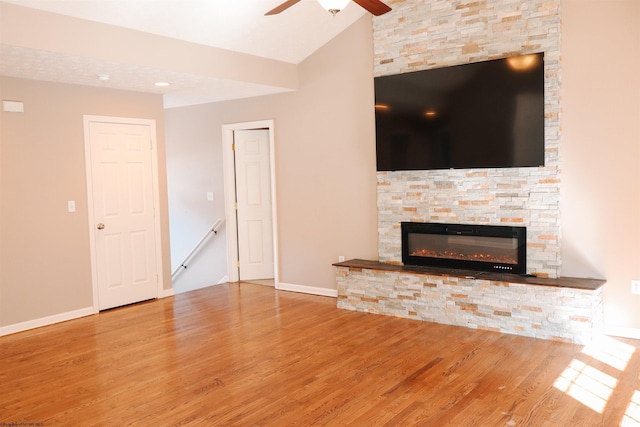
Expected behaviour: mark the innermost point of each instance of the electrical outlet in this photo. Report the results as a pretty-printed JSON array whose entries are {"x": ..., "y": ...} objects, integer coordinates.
[
  {"x": 635, "y": 286},
  {"x": 341, "y": 258}
]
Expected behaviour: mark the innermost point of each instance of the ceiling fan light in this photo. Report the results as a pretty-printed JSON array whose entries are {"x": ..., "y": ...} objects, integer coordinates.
[{"x": 334, "y": 6}]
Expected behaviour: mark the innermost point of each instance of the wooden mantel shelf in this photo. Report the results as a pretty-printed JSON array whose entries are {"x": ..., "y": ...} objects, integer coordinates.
[{"x": 561, "y": 282}]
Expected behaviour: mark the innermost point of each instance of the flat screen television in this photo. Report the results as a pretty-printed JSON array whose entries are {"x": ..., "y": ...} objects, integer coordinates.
[{"x": 487, "y": 114}]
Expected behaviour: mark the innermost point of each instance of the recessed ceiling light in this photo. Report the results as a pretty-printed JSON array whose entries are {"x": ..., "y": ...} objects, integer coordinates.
[
  {"x": 162, "y": 84},
  {"x": 104, "y": 77}
]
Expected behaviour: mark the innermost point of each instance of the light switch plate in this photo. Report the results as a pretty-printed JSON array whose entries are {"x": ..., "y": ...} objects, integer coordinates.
[
  {"x": 71, "y": 206},
  {"x": 13, "y": 106}
]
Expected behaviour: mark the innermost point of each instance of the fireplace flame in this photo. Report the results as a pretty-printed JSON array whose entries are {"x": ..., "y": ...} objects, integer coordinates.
[{"x": 464, "y": 257}]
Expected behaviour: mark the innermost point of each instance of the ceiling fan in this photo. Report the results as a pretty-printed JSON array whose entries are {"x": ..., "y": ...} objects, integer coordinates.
[{"x": 375, "y": 7}]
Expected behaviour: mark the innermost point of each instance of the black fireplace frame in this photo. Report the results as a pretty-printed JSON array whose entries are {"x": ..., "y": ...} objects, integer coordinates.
[{"x": 519, "y": 233}]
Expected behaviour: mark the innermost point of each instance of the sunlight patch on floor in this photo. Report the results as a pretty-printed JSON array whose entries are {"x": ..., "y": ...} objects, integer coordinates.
[
  {"x": 632, "y": 414},
  {"x": 592, "y": 387},
  {"x": 588, "y": 385},
  {"x": 610, "y": 351}
]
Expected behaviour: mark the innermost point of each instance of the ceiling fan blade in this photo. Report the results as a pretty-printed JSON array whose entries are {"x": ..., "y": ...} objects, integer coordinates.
[
  {"x": 284, "y": 6},
  {"x": 375, "y": 7}
]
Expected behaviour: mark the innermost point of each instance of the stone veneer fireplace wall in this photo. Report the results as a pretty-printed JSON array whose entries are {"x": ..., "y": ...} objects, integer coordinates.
[{"x": 419, "y": 35}]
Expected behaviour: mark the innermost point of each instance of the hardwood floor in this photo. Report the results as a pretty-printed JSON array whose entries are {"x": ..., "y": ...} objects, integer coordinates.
[{"x": 246, "y": 355}]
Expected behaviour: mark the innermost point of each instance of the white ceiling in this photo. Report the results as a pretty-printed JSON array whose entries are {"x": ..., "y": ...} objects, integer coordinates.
[{"x": 237, "y": 25}]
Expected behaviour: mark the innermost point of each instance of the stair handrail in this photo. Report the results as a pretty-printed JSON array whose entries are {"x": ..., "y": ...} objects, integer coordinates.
[{"x": 183, "y": 265}]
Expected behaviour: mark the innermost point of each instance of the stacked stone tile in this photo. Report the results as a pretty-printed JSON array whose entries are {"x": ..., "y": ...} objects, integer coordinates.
[
  {"x": 419, "y": 35},
  {"x": 555, "y": 313}
]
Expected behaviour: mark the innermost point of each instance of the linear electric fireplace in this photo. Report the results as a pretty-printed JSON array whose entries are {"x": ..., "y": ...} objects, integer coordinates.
[{"x": 470, "y": 247}]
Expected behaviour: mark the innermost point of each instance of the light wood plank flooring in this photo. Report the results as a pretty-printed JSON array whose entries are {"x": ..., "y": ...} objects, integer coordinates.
[{"x": 247, "y": 355}]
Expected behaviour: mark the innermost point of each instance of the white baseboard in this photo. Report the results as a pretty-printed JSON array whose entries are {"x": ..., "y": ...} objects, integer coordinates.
[
  {"x": 622, "y": 332},
  {"x": 45, "y": 321},
  {"x": 225, "y": 279},
  {"x": 62, "y": 317},
  {"x": 70, "y": 315},
  {"x": 307, "y": 290},
  {"x": 166, "y": 293}
]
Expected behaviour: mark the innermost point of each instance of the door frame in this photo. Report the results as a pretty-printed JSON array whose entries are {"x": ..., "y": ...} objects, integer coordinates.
[
  {"x": 228, "y": 165},
  {"x": 87, "y": 119}
]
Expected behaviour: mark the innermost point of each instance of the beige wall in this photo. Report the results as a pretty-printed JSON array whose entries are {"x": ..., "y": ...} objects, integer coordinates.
[
  {"x": 325, "y": 169},
  {"x": 325, "y": 156},
  {"x": 44, "y": 251},
  {"x": 600, "y": 149}
]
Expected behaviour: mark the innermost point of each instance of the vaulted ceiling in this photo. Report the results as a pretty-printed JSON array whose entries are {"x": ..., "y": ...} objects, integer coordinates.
[{"x": 208, "y": 50}]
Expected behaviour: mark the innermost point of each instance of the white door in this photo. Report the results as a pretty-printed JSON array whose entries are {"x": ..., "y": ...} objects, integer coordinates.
[
  {"x": 124, "y": 236},
  {"x": 253, "y": 197}
]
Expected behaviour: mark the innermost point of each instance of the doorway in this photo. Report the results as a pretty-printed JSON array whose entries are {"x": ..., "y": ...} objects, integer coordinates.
[
  {"x": 250, "y": 202},
  {"x": 122, "y": 188}
]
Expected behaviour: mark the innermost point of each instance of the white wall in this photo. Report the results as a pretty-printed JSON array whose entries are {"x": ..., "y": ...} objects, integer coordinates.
[{"x": 194, "y": 168}]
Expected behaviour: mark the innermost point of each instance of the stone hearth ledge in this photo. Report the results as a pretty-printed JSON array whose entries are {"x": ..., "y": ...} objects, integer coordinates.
[{"x": 566, "y": 309}]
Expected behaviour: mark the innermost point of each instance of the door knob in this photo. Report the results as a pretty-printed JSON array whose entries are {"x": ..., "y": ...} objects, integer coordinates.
[{"x": 100, "y": 226}]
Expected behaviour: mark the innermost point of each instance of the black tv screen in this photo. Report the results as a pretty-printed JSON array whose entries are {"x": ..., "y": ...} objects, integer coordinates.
[{"x": 487, "y": 114}]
